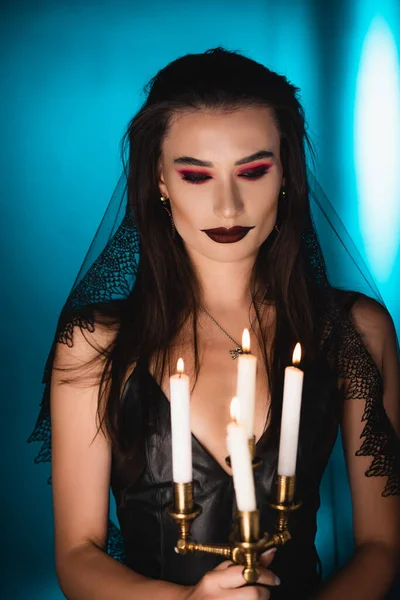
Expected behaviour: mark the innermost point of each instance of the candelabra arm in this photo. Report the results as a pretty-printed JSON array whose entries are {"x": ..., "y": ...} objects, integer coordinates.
[
  {"x": 246, "y": 544},
  {"x": 186, "y": 546}
]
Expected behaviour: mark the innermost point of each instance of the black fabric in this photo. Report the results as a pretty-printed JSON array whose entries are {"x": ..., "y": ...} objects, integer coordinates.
[{"x": 142, "y": 503}]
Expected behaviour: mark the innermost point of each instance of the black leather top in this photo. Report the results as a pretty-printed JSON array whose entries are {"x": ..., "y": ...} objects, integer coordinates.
[{"x": 143, "y": 494}]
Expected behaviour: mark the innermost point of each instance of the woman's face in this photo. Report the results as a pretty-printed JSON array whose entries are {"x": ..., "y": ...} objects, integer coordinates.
[{"x": 222, "y": 170}]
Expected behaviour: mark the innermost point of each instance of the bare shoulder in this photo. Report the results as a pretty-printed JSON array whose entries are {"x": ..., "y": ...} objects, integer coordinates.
[
  {"x": 371, "y": 314},
  {"x": 89, "y": 346},
  {"x": 371, "y": 318},
  {"x": 366, "y": 313},
  {"x": 374, "y": 324}
]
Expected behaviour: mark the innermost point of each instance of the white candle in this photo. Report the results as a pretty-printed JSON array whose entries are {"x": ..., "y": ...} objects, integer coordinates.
[
  {"x": 234, "y": 410},
  {"x": 246, "y": 385},
  {"x": 242, "y": 471},
  {"x": 180, "y": 426},
  {"x": 292, "y": 393}
]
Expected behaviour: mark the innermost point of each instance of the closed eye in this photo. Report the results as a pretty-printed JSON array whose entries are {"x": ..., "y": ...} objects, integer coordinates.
[
  {"x": 197, "y": 178},
  {"x": 255, "y": 173}
]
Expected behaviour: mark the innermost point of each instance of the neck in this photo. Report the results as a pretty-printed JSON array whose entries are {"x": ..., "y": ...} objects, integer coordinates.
[{"x": 224, "y": 286}]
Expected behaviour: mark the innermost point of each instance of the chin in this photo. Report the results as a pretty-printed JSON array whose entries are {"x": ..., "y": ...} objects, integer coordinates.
[{"x": 223, "y": 253}]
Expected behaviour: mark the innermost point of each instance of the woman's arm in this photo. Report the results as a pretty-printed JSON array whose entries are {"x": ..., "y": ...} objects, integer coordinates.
[
  {"x": 376, "y": 519},
  {"x": 81, "y": 463},
  {"x": 87, "y": 572}
]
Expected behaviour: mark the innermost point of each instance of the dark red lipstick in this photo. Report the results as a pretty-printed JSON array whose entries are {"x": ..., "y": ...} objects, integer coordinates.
[{"x": 221, "y": 235}]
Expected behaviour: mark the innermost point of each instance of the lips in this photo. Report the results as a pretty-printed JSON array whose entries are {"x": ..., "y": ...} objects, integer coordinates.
[{"x": 221, "y": 235}]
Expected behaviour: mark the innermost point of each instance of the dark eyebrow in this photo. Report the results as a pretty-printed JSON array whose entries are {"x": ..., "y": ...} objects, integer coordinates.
[{"x": 189, "y": 160}]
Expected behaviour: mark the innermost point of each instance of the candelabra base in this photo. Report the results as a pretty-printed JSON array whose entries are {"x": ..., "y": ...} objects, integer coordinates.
[{"x": 245, "y": 542}]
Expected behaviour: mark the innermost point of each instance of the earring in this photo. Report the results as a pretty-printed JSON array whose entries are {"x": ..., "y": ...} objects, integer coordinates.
[
  {"x": 283, "y": 196},
  {"x": 164, "y": 202}
]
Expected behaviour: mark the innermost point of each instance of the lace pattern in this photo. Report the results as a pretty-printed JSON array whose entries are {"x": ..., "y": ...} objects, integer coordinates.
[
  {"x": 110, "y": 276},
  {"x": 380, "y": 441},
  {"x": 355, "y": 366}
]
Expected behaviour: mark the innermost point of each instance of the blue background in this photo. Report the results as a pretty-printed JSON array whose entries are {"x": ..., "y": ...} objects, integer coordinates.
[{"x": 72, "y": 74}]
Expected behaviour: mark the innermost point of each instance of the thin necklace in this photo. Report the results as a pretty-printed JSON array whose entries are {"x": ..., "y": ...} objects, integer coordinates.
[{"x": 238, "y": 347}]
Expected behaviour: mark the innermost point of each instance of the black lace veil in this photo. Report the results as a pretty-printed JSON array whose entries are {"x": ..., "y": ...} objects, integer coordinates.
[{"x": 108, "y": 272}]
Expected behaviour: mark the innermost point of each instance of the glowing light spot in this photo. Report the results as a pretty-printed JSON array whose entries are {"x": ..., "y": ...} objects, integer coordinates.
[
  {"x": 296, "y": 354},
  {"x": 377, "y": 147}
]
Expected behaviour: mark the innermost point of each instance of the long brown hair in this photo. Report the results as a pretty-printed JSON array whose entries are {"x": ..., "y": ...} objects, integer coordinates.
[{"x": 166, "y": 291}]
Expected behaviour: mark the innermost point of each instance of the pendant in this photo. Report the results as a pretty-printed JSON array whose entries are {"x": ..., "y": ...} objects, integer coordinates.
[{"x": 235, "y": 353}]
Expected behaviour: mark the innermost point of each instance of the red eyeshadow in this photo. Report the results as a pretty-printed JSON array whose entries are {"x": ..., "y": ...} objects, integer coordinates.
[
  {"x": 191, "y": 171},
  {"x": 255, "y": 167}
]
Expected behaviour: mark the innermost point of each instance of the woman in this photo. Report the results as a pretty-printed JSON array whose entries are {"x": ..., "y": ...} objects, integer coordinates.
[{"x": 218, "y": 202}]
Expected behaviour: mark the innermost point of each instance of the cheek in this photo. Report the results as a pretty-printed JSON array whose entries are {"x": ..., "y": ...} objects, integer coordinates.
[
  {"x": 264, "y": 208},
  {"x": 189, "y": 213}
]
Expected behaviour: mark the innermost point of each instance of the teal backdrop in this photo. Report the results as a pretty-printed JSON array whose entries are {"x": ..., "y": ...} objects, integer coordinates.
[{"x": 72, "y": 74}]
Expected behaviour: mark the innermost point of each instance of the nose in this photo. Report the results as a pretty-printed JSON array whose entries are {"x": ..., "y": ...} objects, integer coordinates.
[{"x": 228, "y": 204}]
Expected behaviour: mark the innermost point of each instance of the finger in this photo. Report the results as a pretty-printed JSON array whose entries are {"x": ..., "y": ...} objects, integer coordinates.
[
  {"x": 267, "y": 577},
  {"x": 233, "y": 577},
  {"x": 267, "y": 557},
  {"x": 223, "y": 565},
  {"x": 245, "y": 593}
]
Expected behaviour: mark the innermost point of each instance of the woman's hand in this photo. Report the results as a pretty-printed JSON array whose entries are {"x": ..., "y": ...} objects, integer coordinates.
[{"x": 226, "y": 581}]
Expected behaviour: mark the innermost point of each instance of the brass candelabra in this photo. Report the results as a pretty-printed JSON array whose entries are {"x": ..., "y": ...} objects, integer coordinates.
[{"x": 246, "y": 543}]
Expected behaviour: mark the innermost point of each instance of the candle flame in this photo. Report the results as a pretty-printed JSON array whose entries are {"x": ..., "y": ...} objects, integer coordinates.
[
  {"x": 246, "y": 340},
  {"x": 180, "y": 367},
  {"x": 297, "y": 354},
  {"x": 235, "y": 409}
]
